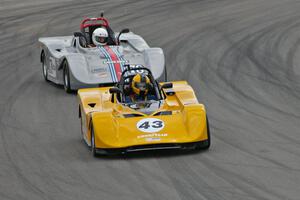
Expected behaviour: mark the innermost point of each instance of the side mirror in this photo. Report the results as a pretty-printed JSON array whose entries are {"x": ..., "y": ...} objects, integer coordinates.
[
  {"x": 125, "y": 30},
  {"x": 82, "y": 39},
  {"x": 114, "y": 90},
  {"x": 78, "y": 34},
  {"x": 167, "y": 86}
]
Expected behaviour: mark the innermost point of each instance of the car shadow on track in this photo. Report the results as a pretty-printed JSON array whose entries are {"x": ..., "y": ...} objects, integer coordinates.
[
  {"x": 61, "y": 87},
  {"x": 151, "y": 154},
  {"x": 166, "y": 153}
]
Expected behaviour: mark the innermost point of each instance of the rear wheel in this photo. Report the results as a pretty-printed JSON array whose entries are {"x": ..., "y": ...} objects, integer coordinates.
[
  {"x": 44, "y": 67},
  {"x": 66, "y": 75}
]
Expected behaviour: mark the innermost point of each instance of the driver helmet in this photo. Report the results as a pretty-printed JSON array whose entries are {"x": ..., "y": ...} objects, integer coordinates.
[
  {"x": 140, "y": 84},
  {"x": 100, "y": 36}
]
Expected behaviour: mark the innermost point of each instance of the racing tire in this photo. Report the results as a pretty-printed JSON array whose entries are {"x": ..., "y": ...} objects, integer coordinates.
[
  {"x": 44, "y": 67},
  {"x": 66, "y": 77},
  {"x": 93, "y": 145},
  {"x": 81, "y": 123},
  {"x": 208, "y": 135},
  {"x": 204, "y": 145}
]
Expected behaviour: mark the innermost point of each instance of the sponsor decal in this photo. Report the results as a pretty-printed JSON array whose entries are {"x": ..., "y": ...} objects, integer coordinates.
[
  {"x": 52, "y": 66},
  {"x": 152, "y": 135},
  {"x": 152, "y": 139},
  {"x": 115, "y": 61},
  {"x": 102, "y": 74},
  {"x": 132, "y": 72},
  {"x": 99, "y": 70}
]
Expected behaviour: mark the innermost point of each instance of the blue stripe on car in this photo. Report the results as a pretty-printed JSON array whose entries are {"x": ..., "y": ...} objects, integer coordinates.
[
  {"x": 120, "y": 57},
  {"x": 110, "y": 64}
]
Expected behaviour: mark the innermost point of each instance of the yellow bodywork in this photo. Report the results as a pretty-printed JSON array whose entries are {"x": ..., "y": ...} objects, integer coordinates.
[{"x": 186, "y": 123}]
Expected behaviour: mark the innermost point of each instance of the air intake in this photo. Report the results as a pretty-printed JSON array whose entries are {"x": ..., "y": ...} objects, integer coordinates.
[
  {"x": 163, "y": 113},
  {"x": 132, "y": 115},
  {"x": 92, "y": 105}
]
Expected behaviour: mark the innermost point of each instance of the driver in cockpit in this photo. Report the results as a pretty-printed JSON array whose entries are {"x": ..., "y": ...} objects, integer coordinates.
[
  {"x": 100, "y": 37},
  {"x": 139, "y": 89}
]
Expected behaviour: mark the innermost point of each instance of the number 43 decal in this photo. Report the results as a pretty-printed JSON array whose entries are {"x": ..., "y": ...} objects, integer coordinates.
[
  {"x": 155, "y": 124},
  {"x": 150, "y": 125}
]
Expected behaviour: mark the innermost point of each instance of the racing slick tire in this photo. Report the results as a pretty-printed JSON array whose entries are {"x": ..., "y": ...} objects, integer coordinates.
[
  {"x": 93, "y": 146},
  {"x": 81, "y": 123},
  {"x": 204, "y": 145},
  {"x": 66, "y": 77},
  {"x": 44, "y": 67}
]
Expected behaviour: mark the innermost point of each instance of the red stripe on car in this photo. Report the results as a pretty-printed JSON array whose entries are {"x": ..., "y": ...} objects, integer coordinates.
[{"x": 115, "y": 61}]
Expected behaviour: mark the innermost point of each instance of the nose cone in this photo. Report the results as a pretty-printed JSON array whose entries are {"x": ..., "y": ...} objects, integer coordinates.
[{"x": 145, "y": 130}]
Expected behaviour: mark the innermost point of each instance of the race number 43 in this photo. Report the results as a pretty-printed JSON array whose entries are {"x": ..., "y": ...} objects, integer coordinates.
[{"x": 150, "y": 125}]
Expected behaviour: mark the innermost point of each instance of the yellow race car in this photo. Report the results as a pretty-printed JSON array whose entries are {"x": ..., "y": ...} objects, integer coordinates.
[{"x": 174, "y": 119}]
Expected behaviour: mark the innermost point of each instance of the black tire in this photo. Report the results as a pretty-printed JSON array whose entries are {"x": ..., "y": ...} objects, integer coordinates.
[
  {"x": 207, "y": 145},
  {"x": 204, "y": 145},
  {"x": 66, "y": 77},
  {"x": 81, "y": 123},
  {"x": 44, "y": 67},
  {"x": 93, "y": 145}
]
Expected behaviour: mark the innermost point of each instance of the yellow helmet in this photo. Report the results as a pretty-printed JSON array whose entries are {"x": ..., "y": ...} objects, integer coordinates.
[{"x": 140, "y": 84}]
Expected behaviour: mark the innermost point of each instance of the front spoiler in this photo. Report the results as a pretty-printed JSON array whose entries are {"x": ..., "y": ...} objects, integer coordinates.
[{"x": 153, "y": 147}]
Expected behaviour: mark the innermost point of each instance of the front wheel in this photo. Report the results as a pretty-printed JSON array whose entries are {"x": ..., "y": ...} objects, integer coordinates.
[
  {"x": 66, "y": 74},
  {"x": 207, "y": 145},
  {"x": 93, "y": 145},
  {"x": 82, "y": 124},
  {"x": 204, "y": 145},
  {"x": 44, "y": 67}
]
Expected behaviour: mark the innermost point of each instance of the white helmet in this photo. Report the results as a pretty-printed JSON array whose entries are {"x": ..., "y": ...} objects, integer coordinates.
[{"x": 100, "y": 36}]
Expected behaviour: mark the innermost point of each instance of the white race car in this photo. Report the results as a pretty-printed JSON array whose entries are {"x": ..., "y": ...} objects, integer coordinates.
[{"x": 75, "y": 62}]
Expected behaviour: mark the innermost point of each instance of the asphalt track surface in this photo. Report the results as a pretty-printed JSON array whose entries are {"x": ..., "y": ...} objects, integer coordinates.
[{"x": 242, "y": 58}]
